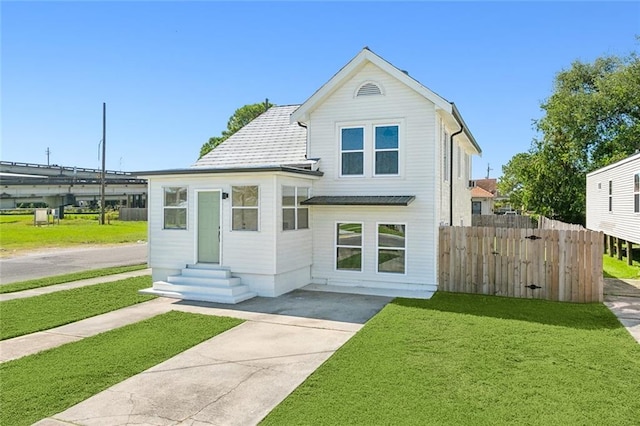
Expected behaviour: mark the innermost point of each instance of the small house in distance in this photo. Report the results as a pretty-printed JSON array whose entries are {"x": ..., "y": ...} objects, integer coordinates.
[
  {"x": 345, "y": 192},
  {"x": 613, "y": 200}
]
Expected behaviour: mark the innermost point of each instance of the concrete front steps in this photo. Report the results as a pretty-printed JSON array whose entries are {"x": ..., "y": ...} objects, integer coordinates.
[{"x": 203, "y": 282}]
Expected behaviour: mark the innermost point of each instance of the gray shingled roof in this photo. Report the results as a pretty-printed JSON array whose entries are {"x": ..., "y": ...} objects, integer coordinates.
[
  {"x": 359, "y": 200},
  {"x": 269, "y": 140}
]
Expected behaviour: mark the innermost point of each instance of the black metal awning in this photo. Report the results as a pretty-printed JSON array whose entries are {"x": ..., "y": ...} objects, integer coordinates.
[{"x": 359, "y": 200}]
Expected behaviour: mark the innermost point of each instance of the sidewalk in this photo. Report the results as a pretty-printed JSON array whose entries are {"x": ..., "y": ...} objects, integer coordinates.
[
  {"x": 73, "y": 284},
  {"x": 622, "y": 297}
]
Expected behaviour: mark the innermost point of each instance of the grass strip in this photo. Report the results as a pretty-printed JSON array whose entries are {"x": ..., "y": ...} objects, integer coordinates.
[
  {"x": 61, "y": 279},
  {"x": 24, "y": 316},
  {"x": 41, "y": 385},
  {"x": 614, "y": 268},
  {"x": 476, "y": 360}
]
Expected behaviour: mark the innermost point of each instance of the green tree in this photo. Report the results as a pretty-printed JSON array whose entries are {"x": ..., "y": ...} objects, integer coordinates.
[
  {"x": 591, "y": 120},
  {"x": 240, "y": 118}
]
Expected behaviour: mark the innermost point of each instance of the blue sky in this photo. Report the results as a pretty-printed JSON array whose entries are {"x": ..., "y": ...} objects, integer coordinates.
[{"x": 172, "y": 73}]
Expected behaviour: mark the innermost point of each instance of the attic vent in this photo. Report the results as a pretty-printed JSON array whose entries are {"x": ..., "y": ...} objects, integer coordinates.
[{"x": 368, "y": 89}]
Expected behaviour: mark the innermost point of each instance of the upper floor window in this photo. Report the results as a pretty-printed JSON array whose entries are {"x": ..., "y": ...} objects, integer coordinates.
[
  {"x": 352, "y": 151},
  {"x": 244, "y": 208},
  {"x": 175, "y": 207},
  {"x": 636, "y": 193},
  {"x": 294, "y": 216},
  {"x": 386, "y": 150}
]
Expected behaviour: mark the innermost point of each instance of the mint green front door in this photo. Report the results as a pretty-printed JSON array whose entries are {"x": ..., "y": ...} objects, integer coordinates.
[{"x": 209, "y": 227}]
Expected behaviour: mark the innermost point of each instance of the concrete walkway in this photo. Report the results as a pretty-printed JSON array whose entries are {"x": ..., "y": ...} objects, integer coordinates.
[
  {"x": 622, "y": 297},
  {"x": 235, "y": 378}
]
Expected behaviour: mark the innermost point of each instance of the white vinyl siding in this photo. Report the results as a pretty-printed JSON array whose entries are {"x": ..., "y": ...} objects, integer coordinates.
[{"x": 623, "y": 222}]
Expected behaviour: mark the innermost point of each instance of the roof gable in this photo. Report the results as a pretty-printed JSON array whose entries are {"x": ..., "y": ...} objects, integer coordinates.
[
  {"x": 356, "y": 64},
  {"x": 350, "y": 69}
]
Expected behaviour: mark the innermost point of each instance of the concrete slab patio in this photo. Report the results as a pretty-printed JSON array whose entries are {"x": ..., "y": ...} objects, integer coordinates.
[{"x": 237, "y": 377}]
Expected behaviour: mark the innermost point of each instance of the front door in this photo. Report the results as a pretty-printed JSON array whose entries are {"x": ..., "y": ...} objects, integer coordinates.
[{"x": 209, "y": 227}]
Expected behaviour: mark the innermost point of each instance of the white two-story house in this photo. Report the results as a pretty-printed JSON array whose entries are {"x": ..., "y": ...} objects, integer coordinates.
[{"x": 345, "y": 192}]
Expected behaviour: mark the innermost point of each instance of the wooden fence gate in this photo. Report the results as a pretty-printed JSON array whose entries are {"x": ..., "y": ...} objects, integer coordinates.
[{"x": 529, "y": 263}]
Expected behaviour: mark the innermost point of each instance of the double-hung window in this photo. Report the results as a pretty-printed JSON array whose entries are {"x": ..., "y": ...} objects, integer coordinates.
[
  {"x": 610, "y": 195},
  {"x": 244, "y": 208},
  {"x": 349, "y": 246},
  {"x": 386, "y": 150},
  {"x": 445, "y": 156},
  {"x": 294, "y": 215},
  {"x": 352, "y": 151},
  {"x": 175, "y": 207},
  {"x": 636, "y": 193},
  {"x": 392, "y": 248}
]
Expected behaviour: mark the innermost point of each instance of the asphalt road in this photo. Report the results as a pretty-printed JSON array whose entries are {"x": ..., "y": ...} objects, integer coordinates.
[{"x": 49, "y": 262}]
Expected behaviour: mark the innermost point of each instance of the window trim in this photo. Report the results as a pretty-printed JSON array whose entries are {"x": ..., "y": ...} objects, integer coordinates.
[
  {"x": 376, "y": 150},
  {"x": 336, "y": 246},
  {"x": 610, "y": 196},
  {"x": 404, "y": 273},
  {"x": 296, "y": 207},
  {"x": 636, "y": 193},
  {"x": 185, "y": 208},
  {"x": 256, "y": 207},
  {"x": 447, "y": 152},
  {"x": 363, "y": 150}
]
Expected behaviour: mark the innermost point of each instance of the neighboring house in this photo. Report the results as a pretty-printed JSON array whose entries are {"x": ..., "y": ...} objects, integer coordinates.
[
  {"x": 613, "y": 199},
  {"x": 346, "y": 190},
  {"x": 481, "y": 201}
]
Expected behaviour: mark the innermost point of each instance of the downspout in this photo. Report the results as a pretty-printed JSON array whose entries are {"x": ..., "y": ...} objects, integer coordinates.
[{"x": 451, "y": 171}]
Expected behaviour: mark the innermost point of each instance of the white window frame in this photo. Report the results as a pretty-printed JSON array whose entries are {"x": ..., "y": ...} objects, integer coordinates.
[
  {"x": 376, "y": 150},
  {"x": 378, "y": 248},
  {"x": 296, "y": 207},
  {"x": 256, "y": 207},
  {"x": 185, "y": 207},
  {"x": 610, "y": 196},
  {"x": 336, "y": 246},
  {"x": 459, "y": 160},
  {"x": 636, "y": 193},
  {"x": 363, "y": 150}
]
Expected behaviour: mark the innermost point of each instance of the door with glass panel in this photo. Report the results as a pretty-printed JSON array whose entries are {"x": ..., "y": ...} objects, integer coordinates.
[{"x": 209, "y": 227}]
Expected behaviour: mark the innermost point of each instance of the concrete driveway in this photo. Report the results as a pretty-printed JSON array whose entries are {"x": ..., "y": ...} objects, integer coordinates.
[{"x": 45, "y": 263}]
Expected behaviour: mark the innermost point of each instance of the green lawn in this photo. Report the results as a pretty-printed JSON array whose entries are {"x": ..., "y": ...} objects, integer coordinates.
[
  {"x": 476, "y": 360},
  {"x": 614, "y": 268},
  {"x": 60, "y": 279},
  {"x": 18, "y": 233},
  {"x": 41, "y": 385},
  {"x": 24, "y": 316}
]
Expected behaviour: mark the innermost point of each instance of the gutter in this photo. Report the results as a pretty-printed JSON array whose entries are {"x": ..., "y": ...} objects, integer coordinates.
[{"x": 451, "y": 170}]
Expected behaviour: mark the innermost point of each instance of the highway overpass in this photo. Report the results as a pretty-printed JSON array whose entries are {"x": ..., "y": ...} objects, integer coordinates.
[{"x": 25, "y": 183}]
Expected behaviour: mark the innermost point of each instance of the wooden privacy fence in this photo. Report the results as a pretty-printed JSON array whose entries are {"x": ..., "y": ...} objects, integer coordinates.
[
  {"x": 129, "y": 213},
  {"x": 503, "y": 221},
  {"x": 546, "y": 223},
  {"x": 529, "y": 263}
]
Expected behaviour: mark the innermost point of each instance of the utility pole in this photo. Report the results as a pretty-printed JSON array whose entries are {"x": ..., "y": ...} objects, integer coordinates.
[
  {"x": 48, "y": 152},
  {"x": 488, "y": 169},
  {"x": 104, "y": 152}
]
